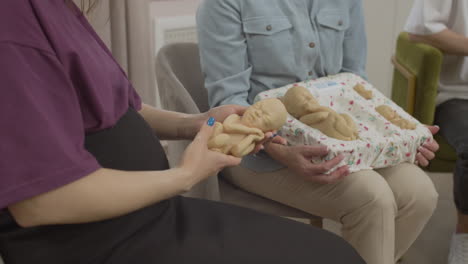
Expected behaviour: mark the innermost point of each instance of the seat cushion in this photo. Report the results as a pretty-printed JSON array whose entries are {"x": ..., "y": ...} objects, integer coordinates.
[{"x": 233, "y": 195}]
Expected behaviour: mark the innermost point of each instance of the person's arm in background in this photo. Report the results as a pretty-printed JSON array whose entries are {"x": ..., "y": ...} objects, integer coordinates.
[
  {"x": 447, "y": 41},
  {"x": 429, "y": 23},
  {"x": 355, "y": 42},
  {"x": 223, "y": 53}
]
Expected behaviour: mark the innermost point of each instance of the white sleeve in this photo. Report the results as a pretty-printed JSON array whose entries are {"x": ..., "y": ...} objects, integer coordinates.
[{"x": 429, "y": 16}]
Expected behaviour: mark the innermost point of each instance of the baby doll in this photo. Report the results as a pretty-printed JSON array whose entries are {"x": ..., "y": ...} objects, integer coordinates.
[
  {"x": 237, "y": 135},
  {"x": 301, "y": 104},
  {"x": 367, "y": 94},
  {"x": 391, "y": 115}
]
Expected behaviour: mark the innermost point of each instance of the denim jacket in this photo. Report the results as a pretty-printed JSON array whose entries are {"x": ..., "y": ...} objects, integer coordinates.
[{"x": 250, "y": 46}]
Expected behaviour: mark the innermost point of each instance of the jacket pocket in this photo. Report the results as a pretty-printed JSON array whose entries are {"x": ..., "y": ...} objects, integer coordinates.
[
  {"x": 269, "y": 44},
  {"x": 332, "y": 25},
  {"x": 336, "y": 20}
]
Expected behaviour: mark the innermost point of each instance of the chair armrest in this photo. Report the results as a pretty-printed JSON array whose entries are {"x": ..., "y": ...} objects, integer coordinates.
[
  {"x": 411, "y": 89},
  {"x": 174, "y": 97},
  {"x": 424, "y": 62}
]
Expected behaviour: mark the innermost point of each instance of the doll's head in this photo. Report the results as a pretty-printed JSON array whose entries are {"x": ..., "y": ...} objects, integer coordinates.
[
  {"x": 387, "y": 112},
  {"x": 266, "y": 115},
  {"x": 298, "y": 101},
  {"x": 392, "y": 116},
  {"x": 361, "y": 90}
]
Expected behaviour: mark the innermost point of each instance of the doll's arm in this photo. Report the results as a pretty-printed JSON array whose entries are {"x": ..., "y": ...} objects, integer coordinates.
[
  {"x": 233, "y": 125},
  {"x": 314, "y": 118}
]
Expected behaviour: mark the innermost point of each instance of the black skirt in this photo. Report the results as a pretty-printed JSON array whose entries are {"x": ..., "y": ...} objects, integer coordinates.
[{"x": 178, "y": 230}]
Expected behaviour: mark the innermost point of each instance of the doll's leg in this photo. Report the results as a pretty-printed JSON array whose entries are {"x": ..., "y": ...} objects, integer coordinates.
[
  {"x": 245, "y": 146},
  {"x": 349, "y": 121},
  {"x": 219, "y": 143},
  {"x": 348, "y": 127},
  {"x": 218, "y": 129}
]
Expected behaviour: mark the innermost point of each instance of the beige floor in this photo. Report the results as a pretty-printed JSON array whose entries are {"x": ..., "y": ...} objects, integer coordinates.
[{"x": 432, "y": 246}]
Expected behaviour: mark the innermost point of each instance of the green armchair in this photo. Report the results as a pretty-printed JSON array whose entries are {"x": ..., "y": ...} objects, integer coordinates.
[{"x": 415, "y": 83}]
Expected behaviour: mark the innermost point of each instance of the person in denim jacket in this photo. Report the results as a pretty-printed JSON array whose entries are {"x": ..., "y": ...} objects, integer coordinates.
[{"x": 250, "y": 46}]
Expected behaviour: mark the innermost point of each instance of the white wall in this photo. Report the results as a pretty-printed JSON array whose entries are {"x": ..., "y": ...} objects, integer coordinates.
[
  {"x": 384, "y": 21},
  {"x": 165, "y": 8}
]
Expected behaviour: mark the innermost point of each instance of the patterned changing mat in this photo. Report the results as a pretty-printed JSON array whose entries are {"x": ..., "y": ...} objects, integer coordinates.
[{"x": 380, "y": 144}]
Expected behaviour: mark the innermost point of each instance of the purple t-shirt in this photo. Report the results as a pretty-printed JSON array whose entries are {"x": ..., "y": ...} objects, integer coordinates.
[{"x": 57, "y": 82}]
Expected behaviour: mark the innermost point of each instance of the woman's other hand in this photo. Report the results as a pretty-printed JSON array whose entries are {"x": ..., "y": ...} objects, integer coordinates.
[
  {"x": 299, "y": 160},
  {"x": 199, "y": 162},
  {"x": 270, "y": 137},
  {"x": 427, "y": 151}
]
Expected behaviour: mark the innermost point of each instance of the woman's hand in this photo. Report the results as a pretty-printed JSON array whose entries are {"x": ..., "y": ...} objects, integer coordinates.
[
  {"x": 299, "y": 160},
  {"x": 222, "y": 112},
  {"x": 427, "y": 151},
  {"x": 199, "y": 162},
  {"x": 219, "y": 113}
]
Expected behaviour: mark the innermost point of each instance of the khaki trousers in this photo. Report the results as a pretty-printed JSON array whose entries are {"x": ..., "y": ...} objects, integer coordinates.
[{"x": 382, "y": 211}]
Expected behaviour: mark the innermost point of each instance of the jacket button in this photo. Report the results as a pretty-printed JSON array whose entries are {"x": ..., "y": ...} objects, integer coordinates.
[
  {"x": 340, "y": 23},
  {"x": 312, "y": 45},
  {"x": 269, "y": 28},
  {"x": 311, "y": 73}
]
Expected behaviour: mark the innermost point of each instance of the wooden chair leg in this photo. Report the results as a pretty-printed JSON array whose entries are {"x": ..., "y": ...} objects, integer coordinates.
[{"x": 317, "y": 222}]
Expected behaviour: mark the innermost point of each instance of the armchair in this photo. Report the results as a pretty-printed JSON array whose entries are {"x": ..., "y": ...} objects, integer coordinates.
[{"x": 415, "y": 83}]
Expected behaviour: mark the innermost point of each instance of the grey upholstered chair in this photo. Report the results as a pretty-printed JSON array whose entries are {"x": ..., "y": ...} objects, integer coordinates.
[{"x": 181, "y": 87}]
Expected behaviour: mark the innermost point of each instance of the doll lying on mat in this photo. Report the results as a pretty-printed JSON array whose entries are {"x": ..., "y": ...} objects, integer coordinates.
[
  {"x": 350, "y": 117},
  {"x": 301, "y": 104},
  {"x": 237, "y": 135}
]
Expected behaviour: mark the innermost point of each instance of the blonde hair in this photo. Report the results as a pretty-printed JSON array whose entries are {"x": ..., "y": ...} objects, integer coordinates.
[{"x": 86, "y": 6}]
